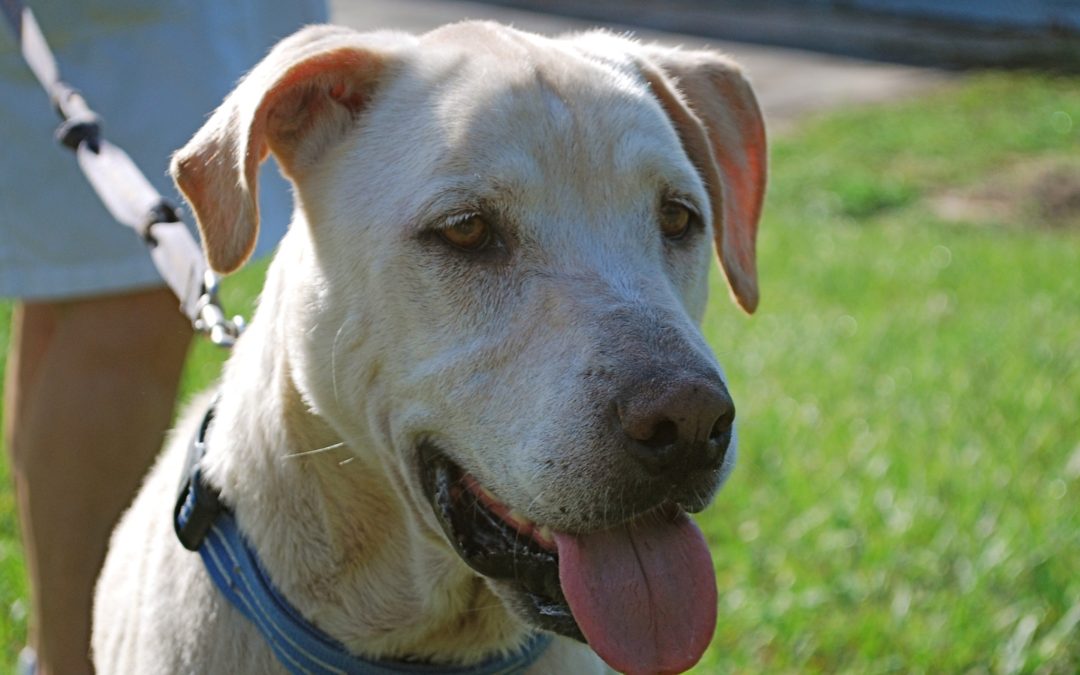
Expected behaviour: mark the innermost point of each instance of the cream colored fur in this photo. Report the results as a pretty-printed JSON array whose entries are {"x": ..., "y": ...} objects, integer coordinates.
[{"x": 371, "y": 336}]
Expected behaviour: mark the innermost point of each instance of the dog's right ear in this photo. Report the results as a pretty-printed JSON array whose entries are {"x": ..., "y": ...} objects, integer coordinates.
[{"x": 296, "y": 102}]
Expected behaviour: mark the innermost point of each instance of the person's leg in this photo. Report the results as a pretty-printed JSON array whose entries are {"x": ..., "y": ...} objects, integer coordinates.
[{"x": 90, "y": 391}]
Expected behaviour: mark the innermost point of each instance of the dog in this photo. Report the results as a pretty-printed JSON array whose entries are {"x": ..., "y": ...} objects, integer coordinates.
[{"x": 474, "y": 407}]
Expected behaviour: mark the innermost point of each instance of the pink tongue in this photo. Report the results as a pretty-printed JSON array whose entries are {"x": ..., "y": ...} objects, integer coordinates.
[{"x": 643, "y": 593}]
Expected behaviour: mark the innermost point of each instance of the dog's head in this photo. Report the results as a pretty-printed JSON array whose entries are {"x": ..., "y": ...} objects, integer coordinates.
[{"x": 494, "y": 279}]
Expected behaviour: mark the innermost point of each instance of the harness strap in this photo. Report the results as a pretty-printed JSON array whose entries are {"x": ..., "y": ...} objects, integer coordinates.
[
  {"x": 205, "y": 524},
  {"x": 123, "y": 189}
]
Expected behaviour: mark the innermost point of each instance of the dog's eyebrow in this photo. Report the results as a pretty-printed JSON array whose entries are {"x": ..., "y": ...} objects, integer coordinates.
[
  {"x": 459, "y": 198},
  {"x": 447, "y": 202}
]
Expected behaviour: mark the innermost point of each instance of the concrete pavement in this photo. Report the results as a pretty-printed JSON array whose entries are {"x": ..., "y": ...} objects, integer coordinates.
[{"x": 790, "y": 83}]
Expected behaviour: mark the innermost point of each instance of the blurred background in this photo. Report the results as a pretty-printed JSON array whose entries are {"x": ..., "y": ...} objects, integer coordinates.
[{"x": 908, "y": 494}]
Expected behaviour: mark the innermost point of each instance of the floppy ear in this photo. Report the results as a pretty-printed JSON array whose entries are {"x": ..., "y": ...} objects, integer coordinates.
[
  {"x": 295, "y": 103},
  {"x": 718, "y": 120}
]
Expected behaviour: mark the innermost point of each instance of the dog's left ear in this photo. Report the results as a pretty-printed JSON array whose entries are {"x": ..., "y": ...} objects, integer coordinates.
[
  {"x": 718, "y": 120},
  {"x": 296, "y": 102}
]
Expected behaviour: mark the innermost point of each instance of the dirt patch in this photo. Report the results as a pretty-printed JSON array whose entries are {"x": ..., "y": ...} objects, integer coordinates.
[{"x": 1043, "y": 193}]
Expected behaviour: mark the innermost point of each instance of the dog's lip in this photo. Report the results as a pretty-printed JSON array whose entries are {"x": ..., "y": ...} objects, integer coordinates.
[
  {"x": 497, "y": 542},
  {"x": 541, "y": 535}
]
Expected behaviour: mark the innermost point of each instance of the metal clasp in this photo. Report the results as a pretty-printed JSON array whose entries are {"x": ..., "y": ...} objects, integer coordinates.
[{"x": 211, "y": 319}]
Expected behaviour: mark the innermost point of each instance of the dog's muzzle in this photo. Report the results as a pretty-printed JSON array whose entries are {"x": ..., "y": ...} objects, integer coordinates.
[{"x": 641, "y": 593}]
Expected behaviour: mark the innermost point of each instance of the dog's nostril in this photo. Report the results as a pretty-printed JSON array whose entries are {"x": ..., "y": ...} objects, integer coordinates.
[
  {"x": 722, "y": 426},
  {"x": 665, "y": 433}
]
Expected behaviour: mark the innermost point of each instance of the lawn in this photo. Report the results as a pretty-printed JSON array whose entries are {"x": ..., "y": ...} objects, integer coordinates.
[{"x": 908, "y": 495}]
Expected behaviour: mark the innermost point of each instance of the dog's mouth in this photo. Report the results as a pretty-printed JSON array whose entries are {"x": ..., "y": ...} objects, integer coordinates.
[
  {"x": 498, "y": 543},
  {"x": 642, "y": 594}
]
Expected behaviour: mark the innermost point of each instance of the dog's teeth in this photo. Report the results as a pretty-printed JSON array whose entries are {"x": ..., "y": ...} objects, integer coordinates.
[{"x": 488, "y": 493}]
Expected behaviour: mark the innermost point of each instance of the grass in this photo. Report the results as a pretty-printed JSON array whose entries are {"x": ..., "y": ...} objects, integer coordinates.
[{"x": 908, "y": 495}]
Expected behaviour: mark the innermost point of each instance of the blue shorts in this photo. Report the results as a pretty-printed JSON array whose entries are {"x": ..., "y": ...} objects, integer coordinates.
[{"x": 153, "y": 70}]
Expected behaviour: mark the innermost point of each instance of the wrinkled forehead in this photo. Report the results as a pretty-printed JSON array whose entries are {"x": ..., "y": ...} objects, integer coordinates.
[{"x": 527, "y": 110}]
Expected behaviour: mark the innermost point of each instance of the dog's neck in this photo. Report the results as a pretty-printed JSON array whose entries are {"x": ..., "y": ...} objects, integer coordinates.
[{"x": 333, "y": 528}]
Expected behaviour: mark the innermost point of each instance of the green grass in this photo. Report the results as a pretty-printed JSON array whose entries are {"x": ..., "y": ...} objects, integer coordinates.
[
  {"x": 13, "y": 588},
  {"x": 908, "y": 494},
  {"x": 908, "y": 497}
]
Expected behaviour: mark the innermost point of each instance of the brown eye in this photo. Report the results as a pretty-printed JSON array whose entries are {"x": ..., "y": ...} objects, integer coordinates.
[
  {"x": 675, "y": 220},
  {"x": 471, "y": 234}
]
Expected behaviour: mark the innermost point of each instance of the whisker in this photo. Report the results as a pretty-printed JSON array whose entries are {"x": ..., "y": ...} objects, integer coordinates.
[
  {"x": 316, "y": 451},
  {"x": 345, "y": 461},
  {"x": 532, "y": 503},
  {"x": 483, "y": 608},
  {"x": 333, "y": 361}
]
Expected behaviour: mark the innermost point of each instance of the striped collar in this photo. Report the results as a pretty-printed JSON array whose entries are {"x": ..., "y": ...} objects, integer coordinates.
[{"x": 204, "y": 524}]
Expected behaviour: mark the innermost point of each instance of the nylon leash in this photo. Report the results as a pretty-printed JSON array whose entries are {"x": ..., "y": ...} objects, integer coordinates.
[{"x": 123, "y": 188}]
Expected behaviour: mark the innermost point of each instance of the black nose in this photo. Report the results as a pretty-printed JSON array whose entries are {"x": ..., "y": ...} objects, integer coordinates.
[{"x": 677, "y": 426}]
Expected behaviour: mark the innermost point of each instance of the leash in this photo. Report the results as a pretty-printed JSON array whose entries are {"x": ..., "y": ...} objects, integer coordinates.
[
  {"x": 123, "y": 188},
  {"x": 205, "y": 524}
]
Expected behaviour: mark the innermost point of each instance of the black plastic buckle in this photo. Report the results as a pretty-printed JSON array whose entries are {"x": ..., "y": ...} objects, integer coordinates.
[
  {"x": 74, "y": 132},
  {"x": 198, "y": 504},
  {"x": 81, "y": 124},
  {"x": 162, "y": 212}
]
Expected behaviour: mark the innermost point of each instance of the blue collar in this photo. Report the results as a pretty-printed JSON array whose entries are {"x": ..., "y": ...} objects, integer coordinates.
[{"x": 204, "y": 524}]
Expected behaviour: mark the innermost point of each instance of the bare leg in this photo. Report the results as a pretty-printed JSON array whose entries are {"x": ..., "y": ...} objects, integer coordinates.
[{"x": 89, "y": 394}]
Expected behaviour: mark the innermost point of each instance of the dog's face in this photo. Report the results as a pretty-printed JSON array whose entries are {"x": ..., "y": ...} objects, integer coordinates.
[{"x": 499, "y": 265}]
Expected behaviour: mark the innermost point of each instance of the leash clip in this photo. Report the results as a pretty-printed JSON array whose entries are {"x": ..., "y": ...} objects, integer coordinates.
[{"x": 211, "y": 319}]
